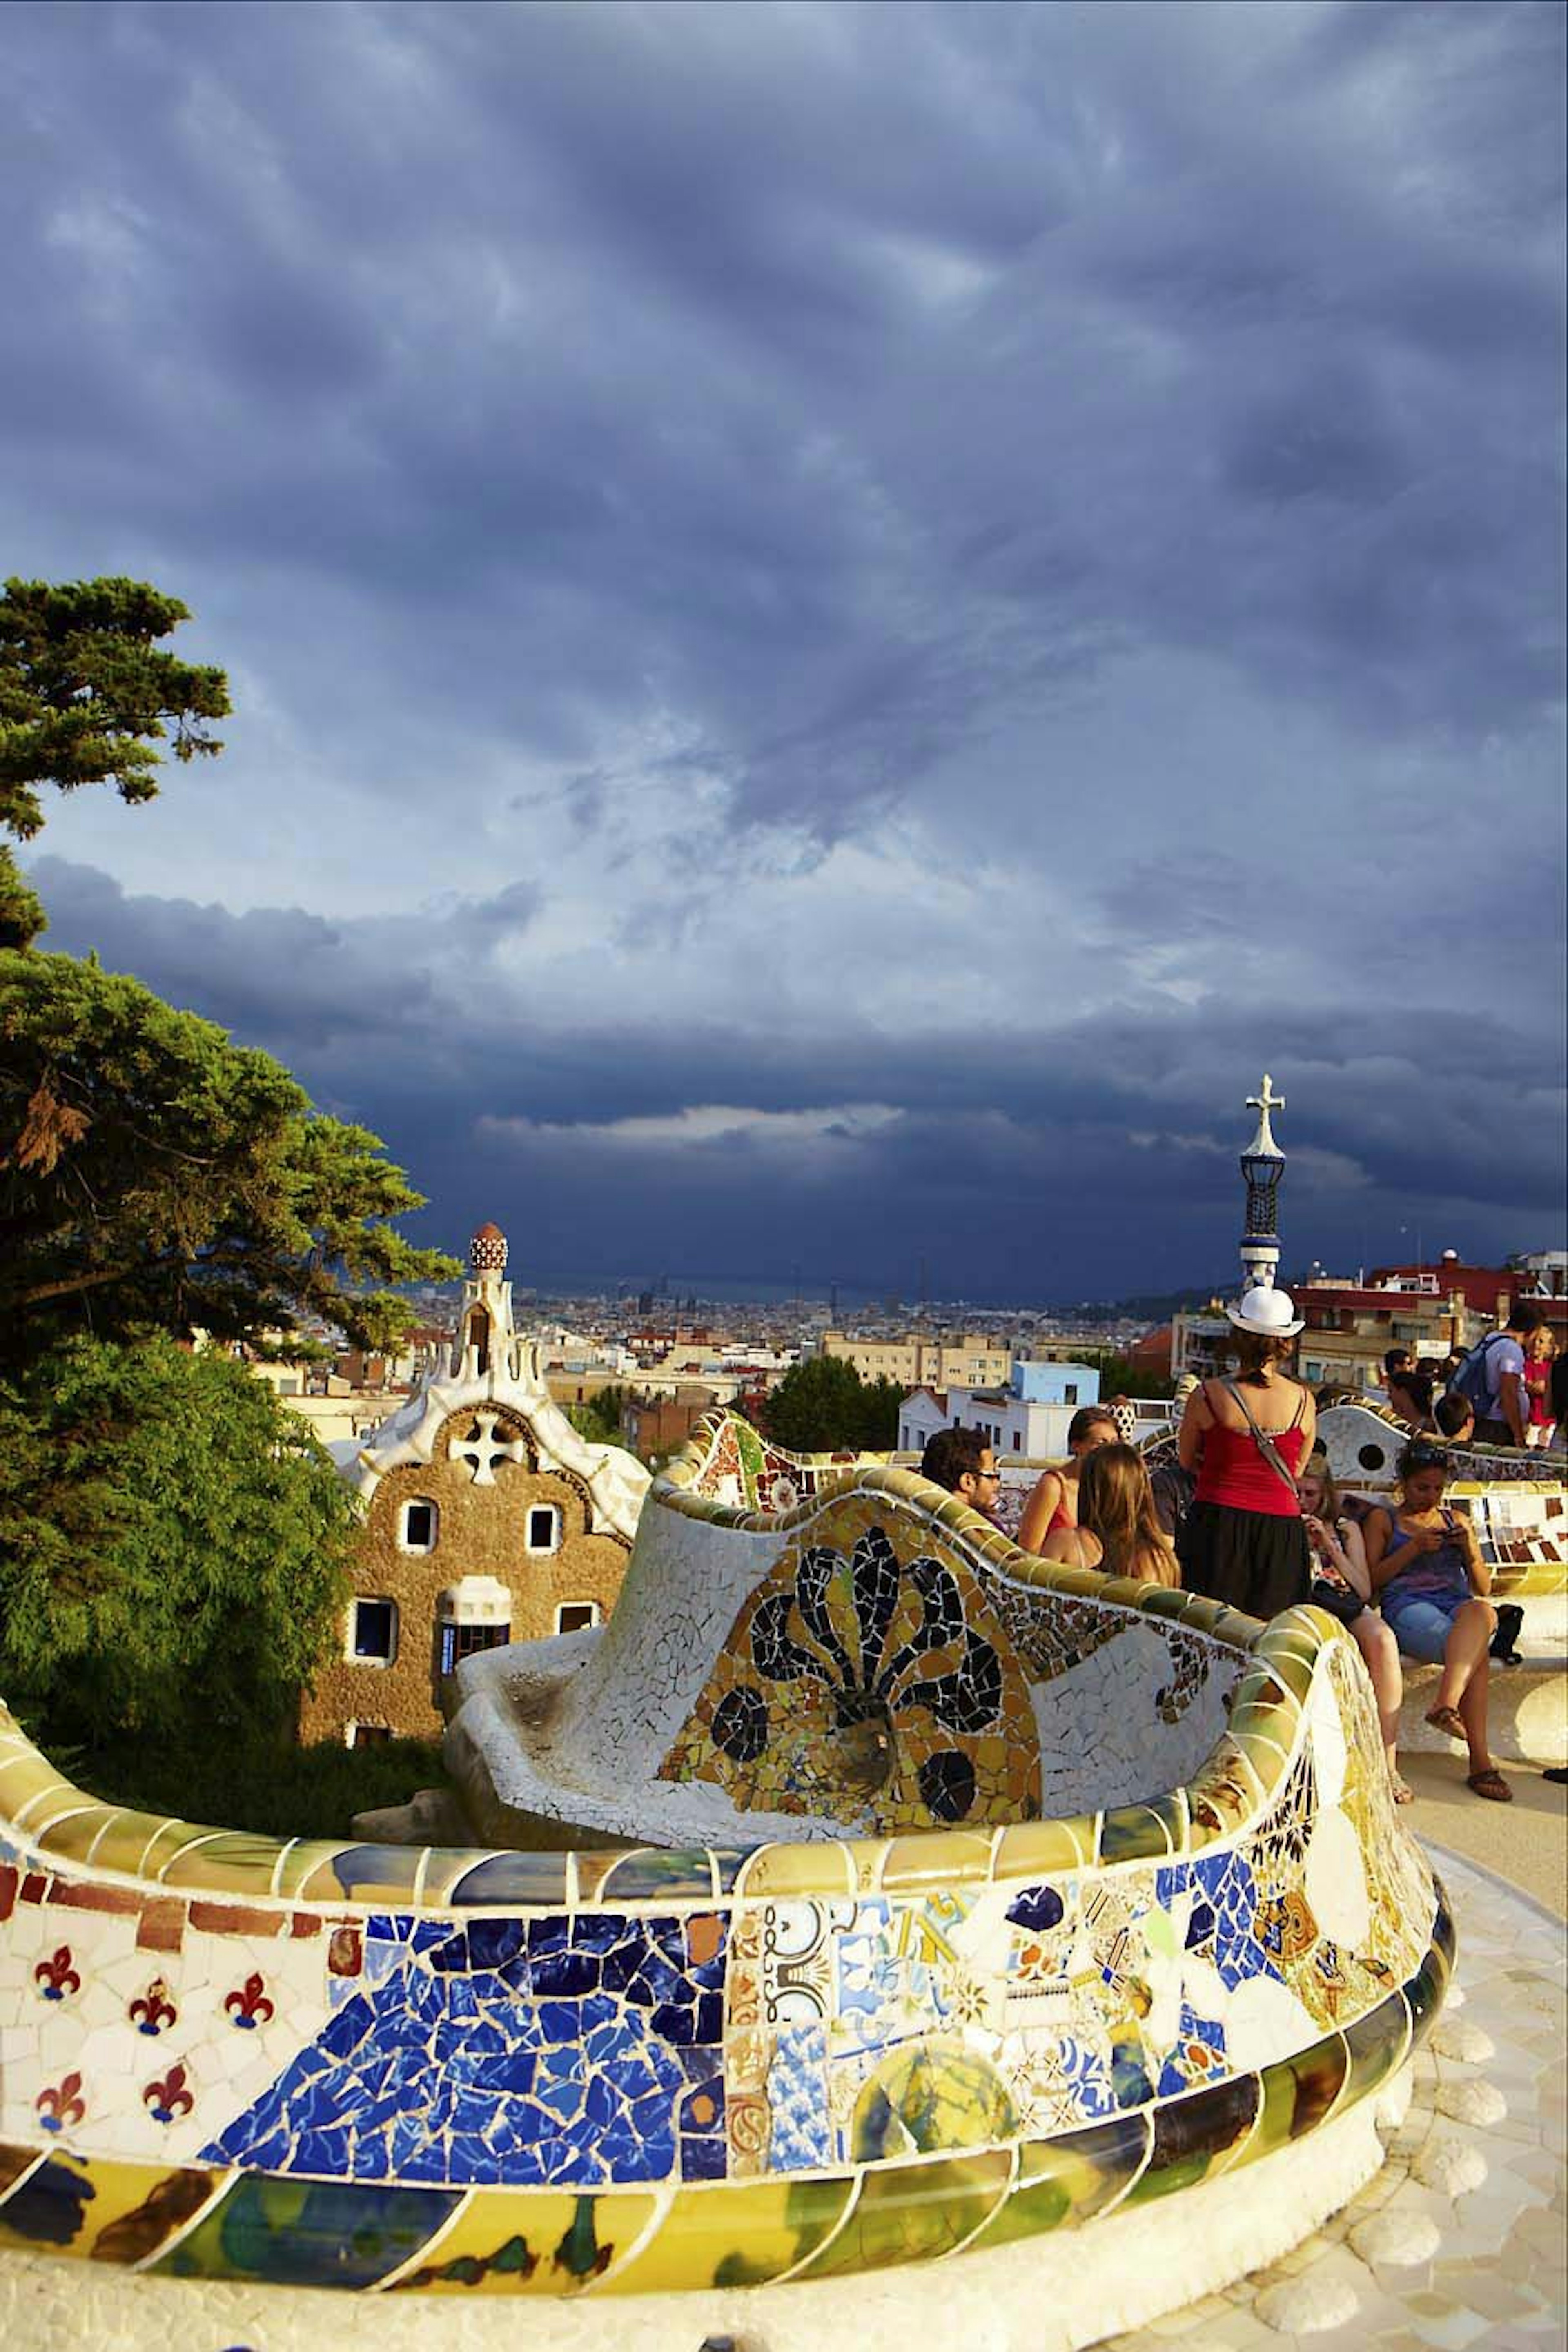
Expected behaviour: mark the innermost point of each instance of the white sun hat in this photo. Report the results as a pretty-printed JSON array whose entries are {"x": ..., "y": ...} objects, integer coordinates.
[{"x": 1269, "y": 1313}]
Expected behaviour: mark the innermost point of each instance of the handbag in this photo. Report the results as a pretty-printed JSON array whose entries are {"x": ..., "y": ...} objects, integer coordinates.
[{"x": 1263, "y": 1442}]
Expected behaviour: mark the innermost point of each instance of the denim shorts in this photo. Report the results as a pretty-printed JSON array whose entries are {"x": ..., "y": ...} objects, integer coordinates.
[{"x": 1422, "y": 1627}]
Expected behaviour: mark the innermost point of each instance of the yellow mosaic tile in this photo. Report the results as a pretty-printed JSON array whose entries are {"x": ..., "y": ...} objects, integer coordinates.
[
  {"x": 737, "y": 2235},
  {"x": 530, "y": 2242},
  {"x": 70, "y": 1835},
  {"x": 118, "y": 2213},
  {"x": 123, "y": 1842},
  {"x": 232, "y": 1862},
  {"x": 168, "y": 1840},
  {"x": 917, "y": 2212},
  {"x": 1037, "y": 1849},
  {"x": 940, "y": 1857},
  {"x": 23, "y": 1778},
  {"x": 822, "y": 1866}
]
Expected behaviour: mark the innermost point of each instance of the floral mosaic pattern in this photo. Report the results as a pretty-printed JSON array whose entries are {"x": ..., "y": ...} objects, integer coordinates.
[{"x": 870, "y": 1688}]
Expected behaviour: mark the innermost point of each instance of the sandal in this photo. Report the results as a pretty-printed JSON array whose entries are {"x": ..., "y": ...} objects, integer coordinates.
[
  {"x": 1490, "y": 1783},
  {"x": 1403, "y": 1794},
  {"x": 1446, "y": 1719}
]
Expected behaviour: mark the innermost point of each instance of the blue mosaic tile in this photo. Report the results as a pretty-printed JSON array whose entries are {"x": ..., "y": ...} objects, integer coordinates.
[
  {"x": 568, "y": 2052},
  {"x": 797, "y": 2099}
]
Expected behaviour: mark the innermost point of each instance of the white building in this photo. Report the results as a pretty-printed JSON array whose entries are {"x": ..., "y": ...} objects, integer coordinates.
[{"x": 1027, "y": 1420}]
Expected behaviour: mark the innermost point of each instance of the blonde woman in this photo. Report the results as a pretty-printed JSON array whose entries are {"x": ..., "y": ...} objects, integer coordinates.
[
  {"x": 1341, "y": 1583},
  {"x": 1052, "y": 1507},
  {"x": 1117, "y": 1528}
]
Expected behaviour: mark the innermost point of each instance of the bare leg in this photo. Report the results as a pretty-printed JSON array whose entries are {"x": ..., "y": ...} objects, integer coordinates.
[
  {"x": 1473, "y": 1715},
  {"x": 1377, "y": 1645},
  {"x": 1464, "y": 1654}
]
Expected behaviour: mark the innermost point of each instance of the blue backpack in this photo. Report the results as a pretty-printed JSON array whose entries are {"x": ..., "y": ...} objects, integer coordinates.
[{"x": 1472, "y": 1379}]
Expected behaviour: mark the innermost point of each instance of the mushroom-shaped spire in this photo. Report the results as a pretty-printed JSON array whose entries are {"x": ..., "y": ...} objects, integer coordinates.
[{"x": 487, "y": 1251}]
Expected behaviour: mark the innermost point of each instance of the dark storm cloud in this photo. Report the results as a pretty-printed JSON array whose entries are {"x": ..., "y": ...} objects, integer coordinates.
[
  {"x": 1103, "y": 1145},
  {"x": 626, "y": 454}
]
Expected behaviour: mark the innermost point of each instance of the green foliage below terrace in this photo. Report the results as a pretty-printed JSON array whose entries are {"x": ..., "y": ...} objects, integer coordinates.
[
  {"x": 272, "y": 1787},
  {"x": 174, "y": 1548}
]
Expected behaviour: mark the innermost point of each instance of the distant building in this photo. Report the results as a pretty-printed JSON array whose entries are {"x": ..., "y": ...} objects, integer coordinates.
[
  {"x": 924, "y": 1359},
  {"x": 654, "y": 1426},
  {"x": 1026, "y": 1419},
  {"x": 488, "y": 1519}
]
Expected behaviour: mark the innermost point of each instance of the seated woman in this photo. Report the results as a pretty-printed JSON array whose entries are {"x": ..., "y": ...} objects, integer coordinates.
[
  {"x": 1053, "y": 1506},
  {"x": 1341, "y": 1585},
  {"x": 1427, "y": 1571},
  {"x": 1117, "y": 1528},
  {"x": 1410, "y": 1399}
]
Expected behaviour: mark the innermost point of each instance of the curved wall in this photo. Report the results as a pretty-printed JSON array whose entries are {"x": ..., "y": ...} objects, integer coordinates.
[{"x": 417, "y": 2069}]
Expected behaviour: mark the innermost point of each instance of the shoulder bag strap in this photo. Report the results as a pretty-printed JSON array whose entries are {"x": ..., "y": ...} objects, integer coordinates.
[{"x": 1265, "y": 1443}]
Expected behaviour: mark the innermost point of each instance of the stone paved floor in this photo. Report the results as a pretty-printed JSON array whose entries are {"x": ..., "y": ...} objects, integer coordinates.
[
  {"x": 1460, "y": 2240},
  {"x": 1421, "y": 2261}
]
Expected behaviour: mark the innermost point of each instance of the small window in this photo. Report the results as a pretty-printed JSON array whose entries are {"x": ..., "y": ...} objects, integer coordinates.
[
  {"x": 368, "y": 1734},
  {"x": 465, "y": 1641},
  {"x": 1017, "y": 1441},
  {"x": 416, "y": 1527},
  {"x": 543, "y": 1528},
  {"x": 573, "y": 1615},
  {"x": 373, "y": 1632},
  {"x": 1069, "y": 1392}
]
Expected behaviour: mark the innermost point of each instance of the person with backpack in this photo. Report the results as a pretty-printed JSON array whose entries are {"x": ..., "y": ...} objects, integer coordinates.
[
  {"x": 1492, "y": 1378},
  {"x": 1244, "y": 1541}
]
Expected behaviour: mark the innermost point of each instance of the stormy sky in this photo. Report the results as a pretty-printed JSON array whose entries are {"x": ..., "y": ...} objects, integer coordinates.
[{"x": 843, "y": 620}]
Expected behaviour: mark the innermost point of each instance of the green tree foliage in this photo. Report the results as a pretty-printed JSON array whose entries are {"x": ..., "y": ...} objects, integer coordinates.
[
  {"x": 823, "y": 1404},
  {"x": 85, "y": 697},
  {"x": 173, "y": 1545},
  {"x": 599, "y": 1419},
  {"x": 155, "y": 1175}
]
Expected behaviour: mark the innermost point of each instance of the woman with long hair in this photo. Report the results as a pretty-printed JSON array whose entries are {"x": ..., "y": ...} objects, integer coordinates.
[
  {"x": 1118, "y": 1528},
  {"x": 1053, "y": 1506},
  {"x": 1247, "y": 1438},
  {"x": 1427, "y": 1572},
  {"x": 1341, "y": 1583}
]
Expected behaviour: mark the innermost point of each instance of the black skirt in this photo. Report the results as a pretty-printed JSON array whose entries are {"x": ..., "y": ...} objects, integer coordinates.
[{"x": 1259, "y": 1562}]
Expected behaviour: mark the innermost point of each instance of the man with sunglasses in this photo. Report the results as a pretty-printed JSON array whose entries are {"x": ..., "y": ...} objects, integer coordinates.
[{"x": 963, "y": 1462}]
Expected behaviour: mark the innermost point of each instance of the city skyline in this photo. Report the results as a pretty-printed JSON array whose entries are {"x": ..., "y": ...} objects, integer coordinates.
[{"x": 842, "y": 622}]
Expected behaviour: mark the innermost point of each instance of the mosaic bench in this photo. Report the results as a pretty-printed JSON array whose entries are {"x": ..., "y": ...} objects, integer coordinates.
[{"x": 419, "y": 2070}]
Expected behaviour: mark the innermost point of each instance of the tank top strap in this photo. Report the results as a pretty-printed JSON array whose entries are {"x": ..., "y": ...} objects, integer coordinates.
[{"x": 1301, "y": 1409}]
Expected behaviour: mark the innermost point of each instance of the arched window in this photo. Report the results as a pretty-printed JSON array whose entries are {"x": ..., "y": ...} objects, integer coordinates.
[
  {"x": 373, "y": 1631},
  {"x": 418, "y": 1523}
]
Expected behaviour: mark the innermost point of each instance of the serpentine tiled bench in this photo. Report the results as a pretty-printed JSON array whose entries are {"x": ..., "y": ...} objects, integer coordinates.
[{"x": 953, "y": 2010}]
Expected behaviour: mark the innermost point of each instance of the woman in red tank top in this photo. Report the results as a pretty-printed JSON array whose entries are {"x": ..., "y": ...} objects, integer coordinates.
[{"x": 1244, "y": 1541}]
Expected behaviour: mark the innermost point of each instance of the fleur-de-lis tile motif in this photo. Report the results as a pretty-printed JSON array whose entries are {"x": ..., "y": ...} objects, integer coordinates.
[
  {"x": 55, "y": 1977},
  {"x": 59, "y": 2107},
  {"x": 249, "y": 2006},
  {"x": 154, "y": 2010},
  {"x": 169, "y": 2098}
]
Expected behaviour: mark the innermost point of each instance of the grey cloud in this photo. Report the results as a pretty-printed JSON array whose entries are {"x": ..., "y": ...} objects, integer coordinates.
[{"x": 1120, "y": 441}]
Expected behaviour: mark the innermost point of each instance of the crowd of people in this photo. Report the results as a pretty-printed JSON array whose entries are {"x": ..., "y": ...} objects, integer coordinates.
[{"x": 1249, "y": 1514}]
